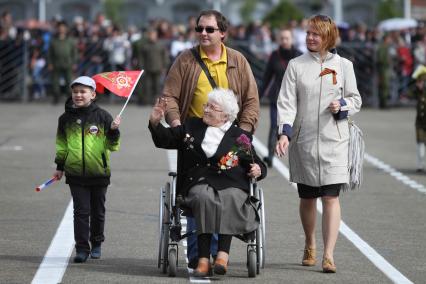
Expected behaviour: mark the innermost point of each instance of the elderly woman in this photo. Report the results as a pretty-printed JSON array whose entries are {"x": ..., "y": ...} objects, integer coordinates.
[{"x": 218, "y": 162}]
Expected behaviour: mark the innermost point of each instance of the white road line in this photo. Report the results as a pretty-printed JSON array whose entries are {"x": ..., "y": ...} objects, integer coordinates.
[
  {"x": 11, "y": 148},
  {"x": 172, "y": 156},
  {"x": 394, "y": 173},
  {"x": 55, "y": 261},
  {"x": 380, "y": 262}
]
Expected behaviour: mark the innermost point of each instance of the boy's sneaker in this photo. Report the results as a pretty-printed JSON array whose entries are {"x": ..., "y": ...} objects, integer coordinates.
[
  {"x": 96, "y": 252},
  {"x": 81, "y": 257}
]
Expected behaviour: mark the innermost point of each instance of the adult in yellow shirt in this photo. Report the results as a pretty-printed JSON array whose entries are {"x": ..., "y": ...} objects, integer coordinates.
[{"x": 186, "y": 88}]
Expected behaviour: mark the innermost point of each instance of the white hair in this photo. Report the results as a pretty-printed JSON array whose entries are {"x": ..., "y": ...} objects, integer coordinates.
[{"x": 227, "y": 100}]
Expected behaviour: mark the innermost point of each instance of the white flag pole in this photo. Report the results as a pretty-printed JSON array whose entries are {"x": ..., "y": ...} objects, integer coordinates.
[{"x": 131, "y": 93}]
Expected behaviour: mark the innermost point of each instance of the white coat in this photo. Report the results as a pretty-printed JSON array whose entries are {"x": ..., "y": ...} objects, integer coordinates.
[{"x": 319, "y": 145}]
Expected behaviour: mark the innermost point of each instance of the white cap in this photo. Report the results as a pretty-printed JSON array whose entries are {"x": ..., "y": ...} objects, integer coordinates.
[{"x": 86, "y": 81}]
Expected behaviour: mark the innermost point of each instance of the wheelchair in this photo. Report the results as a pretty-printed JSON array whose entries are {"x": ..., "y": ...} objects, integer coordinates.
[{"x": 170, "y": 227}]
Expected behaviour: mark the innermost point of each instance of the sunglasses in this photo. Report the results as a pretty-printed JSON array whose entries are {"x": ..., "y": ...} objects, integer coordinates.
[
  {"x": 209, "y": 30},
  {"x": 324, "y": 18}
]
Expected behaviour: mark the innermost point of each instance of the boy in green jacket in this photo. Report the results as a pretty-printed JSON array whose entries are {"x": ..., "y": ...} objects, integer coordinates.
[{"x": 86, "y": 135}]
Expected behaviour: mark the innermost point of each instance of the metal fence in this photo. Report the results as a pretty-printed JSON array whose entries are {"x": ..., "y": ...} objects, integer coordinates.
[
  {"x": 24, "y": 75},
  {"x": 13, "y": 69}
]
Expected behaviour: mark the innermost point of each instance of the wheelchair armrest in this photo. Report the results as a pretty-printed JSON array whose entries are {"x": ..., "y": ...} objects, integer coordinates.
[{"x": 172, "y": 174}]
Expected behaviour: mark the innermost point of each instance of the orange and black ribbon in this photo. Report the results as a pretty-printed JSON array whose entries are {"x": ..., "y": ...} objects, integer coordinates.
[{"x": 329, "y": 71}]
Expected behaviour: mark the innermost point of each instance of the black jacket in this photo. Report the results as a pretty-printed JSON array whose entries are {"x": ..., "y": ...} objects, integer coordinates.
[
  {"x": 84, "y": 141},
  {"x": 196, "y": 168},
  {"x": 275, "y": 69}
]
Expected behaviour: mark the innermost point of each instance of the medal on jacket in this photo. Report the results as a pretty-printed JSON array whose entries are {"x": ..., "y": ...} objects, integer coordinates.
[{"x": 93, "y": 129}]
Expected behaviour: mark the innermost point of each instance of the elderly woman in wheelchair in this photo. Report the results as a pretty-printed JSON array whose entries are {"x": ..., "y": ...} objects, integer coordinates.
[{"x": 218, "y": 164}]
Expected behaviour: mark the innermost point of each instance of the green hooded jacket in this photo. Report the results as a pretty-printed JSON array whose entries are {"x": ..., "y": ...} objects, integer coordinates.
[{"x": 84, "y": 141}]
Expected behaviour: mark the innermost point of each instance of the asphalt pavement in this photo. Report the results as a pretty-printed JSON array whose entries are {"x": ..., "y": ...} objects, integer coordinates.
[{"x": 383, "y": 227}]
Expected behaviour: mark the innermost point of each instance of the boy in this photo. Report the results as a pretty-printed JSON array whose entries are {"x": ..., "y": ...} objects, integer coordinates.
[{"x": 86, "y": 135}]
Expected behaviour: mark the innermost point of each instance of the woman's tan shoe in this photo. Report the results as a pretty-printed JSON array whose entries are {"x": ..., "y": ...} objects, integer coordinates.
[
  {"x": 203, "y": 269},
  {"x": 220, "y": 266},
  {"x": 328, "y": 266},
  {"x": 309, "y": 257}
]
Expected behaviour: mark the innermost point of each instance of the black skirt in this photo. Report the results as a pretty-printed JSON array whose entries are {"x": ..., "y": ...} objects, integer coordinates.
[{"x": 306, "y": 191}]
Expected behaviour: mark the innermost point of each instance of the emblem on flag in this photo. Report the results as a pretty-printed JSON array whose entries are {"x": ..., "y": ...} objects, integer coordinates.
[{"x": 120, "y": 83}]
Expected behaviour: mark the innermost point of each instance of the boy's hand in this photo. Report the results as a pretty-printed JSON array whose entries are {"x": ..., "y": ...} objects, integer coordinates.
[
  {"x": 158, "y": 111},
  {"x": 58, "y": 174},
  {"x": 116, "y": 122}
]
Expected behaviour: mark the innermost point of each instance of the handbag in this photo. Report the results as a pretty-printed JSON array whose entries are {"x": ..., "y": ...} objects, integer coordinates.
[{"x": 356, "y": 149}]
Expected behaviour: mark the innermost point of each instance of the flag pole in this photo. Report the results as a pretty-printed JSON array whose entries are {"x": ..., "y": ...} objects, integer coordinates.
[{"x": 131, "y": 93}]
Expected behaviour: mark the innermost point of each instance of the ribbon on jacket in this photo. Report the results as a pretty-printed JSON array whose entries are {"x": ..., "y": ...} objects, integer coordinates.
[{"x": 329, "y": 71}]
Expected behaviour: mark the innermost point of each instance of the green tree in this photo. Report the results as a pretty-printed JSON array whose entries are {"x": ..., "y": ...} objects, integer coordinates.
[
  {"x": 389, "y": 9},
  {"x": 114, "y": 11},
  {"x": 282, "y": 13},
  {"x": 247, "y": 10}
]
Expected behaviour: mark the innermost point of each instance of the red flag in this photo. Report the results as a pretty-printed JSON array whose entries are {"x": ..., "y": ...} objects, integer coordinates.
[{"x": 121, "y": 83}]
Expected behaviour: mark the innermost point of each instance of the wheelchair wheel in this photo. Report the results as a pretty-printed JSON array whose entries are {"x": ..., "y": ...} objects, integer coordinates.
[
  {"x": 165, "y": 251},
  {"x": 172, "y": 262},
  {"x": 259, "y": 249},
  {"x": 251, "y": 262},
  {"x": 262, "y": 244},
  {"x": 160, "y": 227},
  {"x": 165, "y": 232}
]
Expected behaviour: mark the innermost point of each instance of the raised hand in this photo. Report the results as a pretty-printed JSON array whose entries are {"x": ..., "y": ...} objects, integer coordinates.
[
  {"x": 116, "y": 122},
  {"x": 158, "y": 111}
]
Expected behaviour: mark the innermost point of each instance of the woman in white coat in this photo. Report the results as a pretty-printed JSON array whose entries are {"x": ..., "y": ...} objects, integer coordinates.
[{"x": 317, "y": 94}]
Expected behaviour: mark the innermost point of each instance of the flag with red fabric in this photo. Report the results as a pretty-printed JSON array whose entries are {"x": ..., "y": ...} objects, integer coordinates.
[{"x": 120, "y": 83}]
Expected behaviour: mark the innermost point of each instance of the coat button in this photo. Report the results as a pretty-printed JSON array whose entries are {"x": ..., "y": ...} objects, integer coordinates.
[
  {"x": 190, "y": 178},
  {"x": 208, "y": 164},
  {"x": 197, "y": 165},
  {"x": 219, "y": 172}
]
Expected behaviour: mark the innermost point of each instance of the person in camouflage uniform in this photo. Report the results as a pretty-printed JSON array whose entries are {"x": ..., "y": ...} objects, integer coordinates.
[
  {"x": 62, "y": 58},
  {"x": 151, "y": 55}
]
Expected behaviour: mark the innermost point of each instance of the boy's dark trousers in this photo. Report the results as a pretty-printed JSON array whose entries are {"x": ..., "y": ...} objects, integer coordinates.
[{"x": 89, "y": 215}]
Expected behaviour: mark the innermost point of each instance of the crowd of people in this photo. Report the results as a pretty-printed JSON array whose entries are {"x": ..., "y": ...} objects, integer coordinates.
[{"x": 100, "y": 46}]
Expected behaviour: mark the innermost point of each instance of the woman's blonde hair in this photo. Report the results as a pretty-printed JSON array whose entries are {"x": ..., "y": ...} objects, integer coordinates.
[{"x": 327, "y": 29}]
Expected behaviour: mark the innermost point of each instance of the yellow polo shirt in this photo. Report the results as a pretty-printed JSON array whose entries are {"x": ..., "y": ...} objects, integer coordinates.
[{"x": 217, "y": 70}]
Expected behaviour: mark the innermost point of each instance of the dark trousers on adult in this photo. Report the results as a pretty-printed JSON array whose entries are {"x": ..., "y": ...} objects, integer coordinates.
[
  {"x": 89, "y": 215},
  {"x": 150, "y": 87},
  {"x": 56, "y": 75}
]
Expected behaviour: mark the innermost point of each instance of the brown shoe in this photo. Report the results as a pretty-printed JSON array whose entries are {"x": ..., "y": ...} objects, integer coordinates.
[
  {"x": 203, "y": 269},
  {"x": 220, "y": 266},
  {"x": 309, "y": 257},
  {"x": 328, "y": 266}
]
